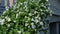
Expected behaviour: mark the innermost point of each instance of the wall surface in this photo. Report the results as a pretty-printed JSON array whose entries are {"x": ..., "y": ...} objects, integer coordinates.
[{"x": 55, "y": 6}]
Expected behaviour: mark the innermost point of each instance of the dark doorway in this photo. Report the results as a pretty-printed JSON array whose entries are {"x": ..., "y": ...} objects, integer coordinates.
[
  {"x": 52, "y": 28},
  {"x": 59, "y": 27}
]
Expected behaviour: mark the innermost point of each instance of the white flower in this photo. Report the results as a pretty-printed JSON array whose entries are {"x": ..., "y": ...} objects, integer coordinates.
[
  {"x": 7, "y": 18},
  {"x": 2, "y": 21},
  {"x": 19, "y": 12},
  {"x": 21, "y": 3},
  {"x": 35, "y": 12},
  {"x": 39, "y": 18},
  {"x": 32, "y": 19},
  {"x": 26, "y": 21},
  {"x": 32, "y": 23},
  {"x": 30, "y": 14},
  {"x": 41, "y": 23},
  {"x": 26, "y": 24},
  {"x": 46, "y": 0},
  {"x": 8, "y": 25},
  {"x": 16, "y": 15},
  {"x": 41, "y": 9},
  {"x": 36, "y": 20},
  {"x": 14, "y": 20},
  {"x": 36, "y": 17},
  {"x": 33, "y": 26},
  {"x": 19, "y": 32},
  {"x": 28, "y": 18},
  {"x": 7, "y": 8}
]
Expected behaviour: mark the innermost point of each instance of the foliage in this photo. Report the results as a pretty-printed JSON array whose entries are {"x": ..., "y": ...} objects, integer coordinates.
[{"x": 25, "y": 17}]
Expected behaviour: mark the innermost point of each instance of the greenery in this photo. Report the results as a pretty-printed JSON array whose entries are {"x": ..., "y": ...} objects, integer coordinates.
[{"x": 25, "y": 17}]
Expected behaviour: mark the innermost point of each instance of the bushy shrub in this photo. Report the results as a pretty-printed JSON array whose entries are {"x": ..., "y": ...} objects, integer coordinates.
[{"x": 25, "y": 17}]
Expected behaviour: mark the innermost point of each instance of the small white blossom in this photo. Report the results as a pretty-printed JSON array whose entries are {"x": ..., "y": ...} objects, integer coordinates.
[
  {"x": 39, "y": 18},
  {"x": 7, "y": 8},
  {"x": 41, "y": 23},
  {"x": 7, "y": 18},
  {"x": 2, "y": 21},
  {"x": 19, "y": 32},
  {"x": 21, "y": 3},
  {"x": 41, "y": 9},
  {"x": 35, "y": 12},
  {"x": 27, "y": 21},
  {"x": 16, "y": 15},
  {"x": 30, "y": 14},
  {"x": 19, "y": 12},
  {"x": 36, "y": 20},
  {"x": 32, "y": 19},
  {"x": 32, "y": 24},
  {"x": 8, "y": 25},
  {"x": 14, "y": 20},
  {"x": 46, "y": 0},
  {"x": 26, "y": 24},
  {"x": 28, "y": 18},
  {"x": 36, "y": 17}
]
